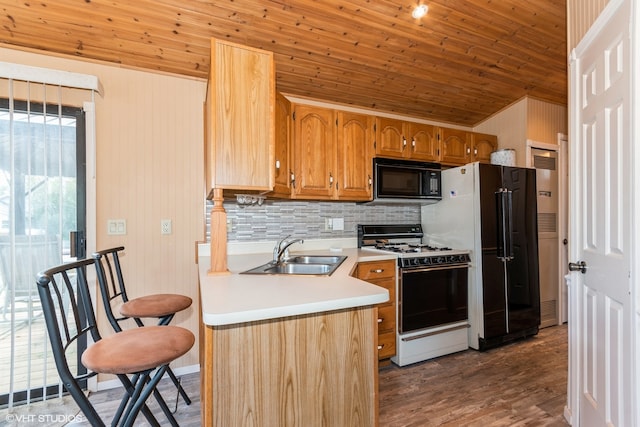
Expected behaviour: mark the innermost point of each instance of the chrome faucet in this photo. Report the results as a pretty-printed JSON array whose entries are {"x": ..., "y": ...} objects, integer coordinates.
[{"x": 282, "y": 248}]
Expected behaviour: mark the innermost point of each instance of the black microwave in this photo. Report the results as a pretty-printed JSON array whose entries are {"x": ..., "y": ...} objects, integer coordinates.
[{"x": 406, "y": 181}]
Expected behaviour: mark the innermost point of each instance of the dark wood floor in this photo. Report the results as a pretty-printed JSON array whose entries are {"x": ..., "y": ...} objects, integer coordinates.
[{"x": 521, "y": 384}]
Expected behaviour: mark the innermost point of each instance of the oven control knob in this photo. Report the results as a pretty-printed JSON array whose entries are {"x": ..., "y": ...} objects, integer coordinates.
[
  {"x": 424, "y": 261},
  {"x": 440, "y": 260}
]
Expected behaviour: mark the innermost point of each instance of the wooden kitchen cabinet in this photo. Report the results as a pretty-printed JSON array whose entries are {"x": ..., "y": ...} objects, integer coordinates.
[
  {"x": 240, "y": 118},
  {"x": 405, "y": 140},
  {"x": 331, "y": 154},
  {"x": 454, "y": 146},
  {"x": 282, "y": 165},
  {"x": 354, "y": 157},
  {"x": 423, "y": 142},
  {"x": 390, "y": 141},
  {"x": 482, "y": 145},
  {"x": 314, "y": 152},
  {"x": 459, "y": 147},
  {"x": 383, "y": 274}
]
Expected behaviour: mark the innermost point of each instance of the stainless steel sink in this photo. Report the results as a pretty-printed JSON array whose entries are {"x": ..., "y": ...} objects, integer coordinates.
[
  {"x": 316, "y": 259},
  {"x": 314, "y": 265}
]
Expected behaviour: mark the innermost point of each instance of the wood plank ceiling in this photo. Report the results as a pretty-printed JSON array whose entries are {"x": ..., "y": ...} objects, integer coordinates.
[{"x": 462, "y": 62}]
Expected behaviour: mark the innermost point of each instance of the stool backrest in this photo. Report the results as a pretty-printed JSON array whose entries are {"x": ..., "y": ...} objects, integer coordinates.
[
  {"x": 111, "y": 281},
  {"x": 69, "y": 317}
]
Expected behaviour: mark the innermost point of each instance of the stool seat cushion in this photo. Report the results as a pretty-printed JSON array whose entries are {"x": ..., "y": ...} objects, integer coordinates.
[
  {"x": 138, "y": 350},
  {"x": 157, "y": 305}
]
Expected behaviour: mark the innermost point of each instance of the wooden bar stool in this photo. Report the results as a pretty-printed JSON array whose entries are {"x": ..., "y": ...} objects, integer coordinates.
[
  {"x": 162, "y": 307},
  {"x": 143, "y": 353}
]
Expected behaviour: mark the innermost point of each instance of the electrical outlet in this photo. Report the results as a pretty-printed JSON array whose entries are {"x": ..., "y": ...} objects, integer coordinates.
[
  {"x": 165, "y": 226},
  {"x": 333, "y": 224}
]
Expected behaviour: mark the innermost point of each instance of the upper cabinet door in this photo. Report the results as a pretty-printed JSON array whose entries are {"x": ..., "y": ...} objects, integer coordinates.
[
  {"x": 314, "y": 152},
  {"x": 390, "y": 140},
  {"x": 422, "y": 141},
  {"x": 483, "y": 145},
  {"x": 240, "y": 118},
  {"x": 454, "y": 146},
  {"x": 283, "y": 167},
  {"x": 353, "y": 150}
]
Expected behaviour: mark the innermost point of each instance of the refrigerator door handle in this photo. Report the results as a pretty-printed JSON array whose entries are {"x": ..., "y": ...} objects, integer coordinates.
[
  {"x": 508, "y": 195},
  {"x": 501, "y": 228}
]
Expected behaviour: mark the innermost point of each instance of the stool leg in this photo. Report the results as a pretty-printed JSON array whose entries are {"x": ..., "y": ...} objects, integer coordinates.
[
  {"x": 144, "y": 387},
  {"x": 163, "y": 321},
  {"x": 164, "y": 407},
  {"x": 181, "y": 390},
  {"x": 159, "y": 399},
  {"x": 129, "y": 389}
]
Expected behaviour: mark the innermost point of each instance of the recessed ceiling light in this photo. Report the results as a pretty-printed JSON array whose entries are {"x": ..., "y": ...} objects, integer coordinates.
[{"x": 420, "y": 11}]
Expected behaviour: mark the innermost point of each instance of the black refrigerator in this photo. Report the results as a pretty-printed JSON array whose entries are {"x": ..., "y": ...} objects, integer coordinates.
[{"x": 492, "y": 211}]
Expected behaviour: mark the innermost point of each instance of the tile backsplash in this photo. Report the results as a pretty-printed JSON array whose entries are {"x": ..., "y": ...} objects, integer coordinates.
[{"x": 276, "y": 219}]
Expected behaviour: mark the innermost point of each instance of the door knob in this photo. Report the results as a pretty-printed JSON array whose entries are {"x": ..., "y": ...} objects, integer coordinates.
[{"x": 580, "y": 266}]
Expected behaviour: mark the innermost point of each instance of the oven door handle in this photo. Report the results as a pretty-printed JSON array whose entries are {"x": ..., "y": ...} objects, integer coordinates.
[
  {"x": 405, "y": 270},
  {"x": 439, "y": 331}
]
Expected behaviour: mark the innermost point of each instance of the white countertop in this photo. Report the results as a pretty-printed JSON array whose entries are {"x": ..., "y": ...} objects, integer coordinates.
[{"x": 239, "y": 298}]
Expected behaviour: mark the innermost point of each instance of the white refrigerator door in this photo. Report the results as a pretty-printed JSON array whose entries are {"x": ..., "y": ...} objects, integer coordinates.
[{"x": 455, "y": 222}]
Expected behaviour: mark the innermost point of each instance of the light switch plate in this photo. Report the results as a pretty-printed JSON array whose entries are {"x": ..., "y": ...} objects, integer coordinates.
[{"x": 116, "y": 227}]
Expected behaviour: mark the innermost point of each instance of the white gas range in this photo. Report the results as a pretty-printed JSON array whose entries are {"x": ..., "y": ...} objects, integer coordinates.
[{"x": 431, "y": 291}]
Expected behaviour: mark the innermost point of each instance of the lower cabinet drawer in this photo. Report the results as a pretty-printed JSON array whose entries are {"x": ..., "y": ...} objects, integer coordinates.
[
  {"x": 386, "y": 318},
  {"x": 386, "y": 345}
]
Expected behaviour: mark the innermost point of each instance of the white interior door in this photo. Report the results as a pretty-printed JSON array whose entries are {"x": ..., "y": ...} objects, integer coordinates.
[{"x": 600, "y": 210}]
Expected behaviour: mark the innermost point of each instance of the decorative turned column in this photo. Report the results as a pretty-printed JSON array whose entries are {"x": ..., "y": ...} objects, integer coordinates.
[{"x": 218, "y": 236}]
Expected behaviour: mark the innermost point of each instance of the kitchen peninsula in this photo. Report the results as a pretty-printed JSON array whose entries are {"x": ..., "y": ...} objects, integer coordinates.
[{"x": 288, "y": 350}]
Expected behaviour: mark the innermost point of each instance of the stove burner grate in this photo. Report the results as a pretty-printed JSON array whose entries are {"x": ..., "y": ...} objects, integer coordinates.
[{"x": 409, "y": 248}]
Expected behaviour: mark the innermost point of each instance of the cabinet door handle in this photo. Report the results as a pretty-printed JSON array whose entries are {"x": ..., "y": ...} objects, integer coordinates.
[
  {"x": 404, "y": 142},
  {"x": 293, "y": 179},
  {"x": 380, "y": 320},
  {"x": 378, "y": 271},
  {"x": 380, "y": 347},
  {"x": 330, "y": 179},
  {"x": 413, "y": 143},
  {"x": 475, "y": 151},
  {"x": 370, "y": 181},
  {"x": 277, "y": 164},
  {"x": 468, "y": 150}
]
